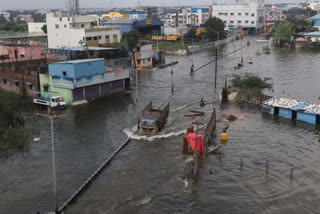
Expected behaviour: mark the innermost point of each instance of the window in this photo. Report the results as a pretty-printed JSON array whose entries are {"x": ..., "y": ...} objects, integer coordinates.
[
  {"x": 246, "y": 21},
  {"x": 4, "y": 81},
  {"x": 239, "y": 21},
  {"x": 231, "y": 22},
  {"x": 73, "y": 25},
  {"x": 94, "y": 38},
  {"x": 231, "y": 14},
  {"x": 252, "y": 14},
  {"x": 88, "y": 38},
  {"x": 252, "y": 22},
  {"x": 107, "y": 37},
  {"x": 57, "y": 26},
  {"x": 65, "y": 26},
  {"x": 99, "y": 37},
  {"x": 247, "y": 14},
  {"x": 225, "y": 21},
  {"x": 60, "y": 19},
  {"x": 64, "y": 73},
  {"x": 82, "y": 25},
  {"x": 239, "y": 14},
  {"x": 68, "y": 18},
  {"x": 30, "y": 85},
  {"x": 115, "y": 36},
  {"x": 148, "y": 59},
  {"x": 17, "y": 83},
  {"x": 139, "y": 61},
  {"x": 46, "y": 87}
]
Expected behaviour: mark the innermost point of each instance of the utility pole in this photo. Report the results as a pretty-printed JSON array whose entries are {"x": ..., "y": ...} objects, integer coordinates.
[
  {"x": 53, "y": 164},
  {"x": 51, "y": 117},
  {"x": 137, "y": 103},
  {"x": 241, "y": 50},
  {"x": 192, "y": 53},
  {"x": 215, "y": 79},
  {"x": 216, "y": 70}
]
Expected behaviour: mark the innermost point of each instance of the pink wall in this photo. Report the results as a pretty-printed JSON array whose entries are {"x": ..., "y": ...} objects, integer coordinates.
[{"x": 26, "y": 51}]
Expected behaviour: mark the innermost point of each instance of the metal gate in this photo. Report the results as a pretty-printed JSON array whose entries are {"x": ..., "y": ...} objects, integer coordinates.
[{"x": 77, "y": 94}]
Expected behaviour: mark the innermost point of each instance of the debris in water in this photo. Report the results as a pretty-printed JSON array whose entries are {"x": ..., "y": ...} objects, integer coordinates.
[
  {"x": 36, "y": 139},
  {"x": 144, "y": 201}
]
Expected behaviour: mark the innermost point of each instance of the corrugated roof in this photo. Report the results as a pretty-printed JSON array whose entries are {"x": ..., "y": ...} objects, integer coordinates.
[
  {"x": 316, "y": 33},
  {"x": 293, "y": 104},
  {"x": 315, "y": 17}
]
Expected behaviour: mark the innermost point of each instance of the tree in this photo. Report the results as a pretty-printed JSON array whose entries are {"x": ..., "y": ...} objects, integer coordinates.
[
  {"x": 130, "y": 39},
  {"x": 38, "y": 17},
  {"x": 283, "y": 34},
  {"x": 191, "y": 34},
  {"x": 13, "y": 132},
  {"x": 215, "y": 29},
  {"x": 301, "y": 25},
  {"x": 251, "y": 83},
  {"x": 44, "y": 29}
]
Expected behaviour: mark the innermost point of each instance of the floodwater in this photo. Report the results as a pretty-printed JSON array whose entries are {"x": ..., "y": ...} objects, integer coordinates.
[{"x": 148, "y": 176}]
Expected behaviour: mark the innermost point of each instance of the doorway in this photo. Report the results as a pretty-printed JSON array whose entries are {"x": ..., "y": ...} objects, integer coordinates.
[
  {"x": 294, "y": 115},
  {"x": 276, "y": 110}
]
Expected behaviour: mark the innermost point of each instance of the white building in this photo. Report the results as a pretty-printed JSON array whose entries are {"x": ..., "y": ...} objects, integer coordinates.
[
  {"x": 171, "y": 19},
  {"x": 197, "y": 16},
  {"x": 5, "y": 14},
  {"x": 247, "y": 16},
  {"x": 78, "y": 31},
  {"x": 35, "y": 27}
]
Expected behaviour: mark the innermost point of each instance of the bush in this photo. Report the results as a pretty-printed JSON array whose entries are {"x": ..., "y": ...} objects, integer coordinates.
[
  {"x": 14, "y": 135},
  {"x": 251, "y": 83}
]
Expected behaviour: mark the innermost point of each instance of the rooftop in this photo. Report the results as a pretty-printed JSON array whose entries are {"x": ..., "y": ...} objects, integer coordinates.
[
  {"x": 79, "y": 61},
  {"x": 292, "y": 104},
  {"x": 316, "y": 33},
  {"x": 315, "y": 17},
  {"x": 89, "y": 48}
]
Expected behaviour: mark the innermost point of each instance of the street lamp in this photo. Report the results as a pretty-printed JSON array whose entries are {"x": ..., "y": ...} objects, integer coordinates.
[{"x": 53, "y": 158}]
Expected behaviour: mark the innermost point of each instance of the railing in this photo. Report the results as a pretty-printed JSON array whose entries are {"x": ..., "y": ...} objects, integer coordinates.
[{"x": 27, "y": 59}]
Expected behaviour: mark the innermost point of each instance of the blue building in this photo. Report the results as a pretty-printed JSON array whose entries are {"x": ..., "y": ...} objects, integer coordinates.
[
  {"x": 83, "y": 80},
  {"x": 293, "y": 109},
  {"x": 316, "y": 20},
  {"x": 146, "y": 27}
]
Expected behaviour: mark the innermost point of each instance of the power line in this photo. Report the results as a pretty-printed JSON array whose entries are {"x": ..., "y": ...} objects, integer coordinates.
[{"x": 219, "y": 58}]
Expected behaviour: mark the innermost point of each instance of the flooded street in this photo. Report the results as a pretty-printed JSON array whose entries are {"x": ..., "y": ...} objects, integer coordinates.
[{"x": 147, "y": 176}]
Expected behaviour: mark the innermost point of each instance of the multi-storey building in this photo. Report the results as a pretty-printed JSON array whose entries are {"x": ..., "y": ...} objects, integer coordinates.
[
  {"x": 80, "y": 80},
  {"x": 171, "y": 19},
  {"x": 76, "y": 31},
  {"x": 247, "y": 15},
  {"x": 196, "y": 16}
]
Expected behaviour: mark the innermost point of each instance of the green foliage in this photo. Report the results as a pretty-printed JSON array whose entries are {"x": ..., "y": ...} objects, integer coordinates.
[
  {"x": 283, "y": 33},
  {"x": 38, "y": 17},
  {"x": 215, "y": 29},
  {"x": 11, "y": 25},
  {"x": 301, "y": 25},
  {"x": 130, "y": 39},
  {"x": 174, "y": 45},
  {"x": 191, "y": 34},
  {"x": 308, "y": 12},
  {"x": 251, "y": 83},
  {"x": 13, "y": 132},
  {"x": 266, "y": 50}
]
